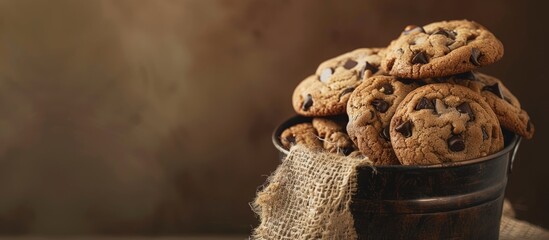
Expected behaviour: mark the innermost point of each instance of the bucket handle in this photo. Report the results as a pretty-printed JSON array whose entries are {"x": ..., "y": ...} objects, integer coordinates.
[{"x": 515, "y": 150}]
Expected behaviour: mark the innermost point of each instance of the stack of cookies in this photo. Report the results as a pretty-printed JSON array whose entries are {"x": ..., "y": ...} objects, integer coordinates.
[{"x": 419, "y": 101}]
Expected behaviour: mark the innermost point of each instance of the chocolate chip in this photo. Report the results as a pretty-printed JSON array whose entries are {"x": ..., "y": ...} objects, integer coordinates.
[
  {"x": 420, "y": 57},
  {"x": 466, "y": 108},
  {"x": 475, "y": 54},
  {"x": 471, "y": 38},
  {"x": 347, "y": 150},
  {"x": 412, "y": 29},
  {"x": 385, "y": 134},
  {"x": 307, "y": 103},
  {"x": 405, "y": 129},
  {"x": 484, "y": 134},
  {"x": 424, "y": 103},
  {"x": 456, "y": 143},
  {"x": 367, "y": 66},
  {"x": 346, "y": 91},
  {"x": 380, "y": 105},
  {"x": 370, "y": 67},
  {"x": 349, "y": 64},
  {"x": 466, "y": 76},
  {"x": 290, "y": 139},
  {"x": 441, "y": 31},
  {"x": 445, "y": 33},
  {"x": 387, "y": 89},
  {"x": 326, "y": 74},
  {"x": 495, "y": 89}
]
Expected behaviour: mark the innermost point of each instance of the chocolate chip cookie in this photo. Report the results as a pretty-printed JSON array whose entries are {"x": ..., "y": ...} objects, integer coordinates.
[
  {"x": 326, "y": 93},
  {"x": 370, "y": 109},
  {"x": 332, "y": 134},
  {"x": 504, "y": 104},
  {"x": 444, "y": 122},
  {"x": 302, "y": 133},
  {"x": 441, "y": 49}
]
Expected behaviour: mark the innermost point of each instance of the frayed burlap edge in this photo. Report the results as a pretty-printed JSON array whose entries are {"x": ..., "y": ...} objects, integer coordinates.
[{"x": 308, "y": 197}]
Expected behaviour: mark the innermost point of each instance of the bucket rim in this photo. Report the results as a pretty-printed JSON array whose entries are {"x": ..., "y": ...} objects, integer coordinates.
[{"x": 510, "y": 145}]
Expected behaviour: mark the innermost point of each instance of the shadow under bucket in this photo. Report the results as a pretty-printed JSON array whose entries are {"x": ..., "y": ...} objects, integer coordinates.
[{"x": 457, "y": 200}]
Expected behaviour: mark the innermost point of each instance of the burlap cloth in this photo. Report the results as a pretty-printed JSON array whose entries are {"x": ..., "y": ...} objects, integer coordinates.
[{"x": 309, "y": 194}]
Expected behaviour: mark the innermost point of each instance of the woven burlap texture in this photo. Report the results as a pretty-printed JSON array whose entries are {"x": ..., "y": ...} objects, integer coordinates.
[
  {"x": 309, "y": 194},
  {"x": 513, "y": 229},
  {"x": 308, "y": 197}
]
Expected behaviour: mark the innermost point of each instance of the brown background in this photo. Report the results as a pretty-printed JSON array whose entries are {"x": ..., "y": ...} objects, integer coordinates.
[{"x": 154, "y": 117}]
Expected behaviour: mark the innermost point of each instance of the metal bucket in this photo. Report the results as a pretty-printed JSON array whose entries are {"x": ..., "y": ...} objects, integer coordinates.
[{"x": 458, "y": 200}]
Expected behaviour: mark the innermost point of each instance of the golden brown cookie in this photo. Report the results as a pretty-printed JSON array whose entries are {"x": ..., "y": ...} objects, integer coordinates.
[
  {"x": 441, "y": 49},
  {"x": 444, "y": 122},
  {"x": 332, "y": 134},
  {"x": 505, "y": 105},
  {"x": 370, "y": 109},
  {"x": 302, "y": 133},
  {"x": 326, "y": 92}
]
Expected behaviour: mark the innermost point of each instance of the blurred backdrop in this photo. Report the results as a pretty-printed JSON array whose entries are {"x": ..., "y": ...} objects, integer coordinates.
[{"x": 154, "y": 117}]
